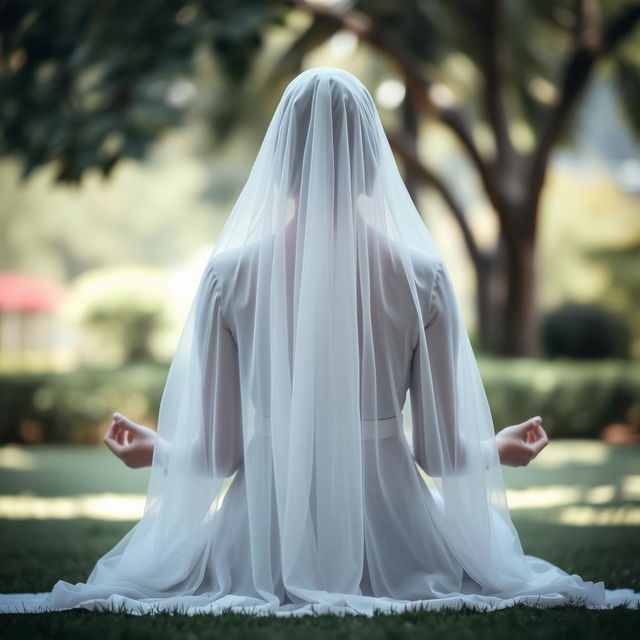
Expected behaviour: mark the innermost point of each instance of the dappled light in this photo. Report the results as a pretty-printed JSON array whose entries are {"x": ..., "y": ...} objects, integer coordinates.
[
  {"x": 103, "y": 506},
  {"x": 573, "y": 502},
  {"x": 583, "y": 515},
  {"x": 106, "y": 506},
  {"x": 584, "y": 452},
  {"x": 16, "y": 458}
]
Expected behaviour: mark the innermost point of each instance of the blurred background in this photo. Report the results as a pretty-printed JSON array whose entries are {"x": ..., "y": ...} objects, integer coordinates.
[{"x": 127, "y": 131}]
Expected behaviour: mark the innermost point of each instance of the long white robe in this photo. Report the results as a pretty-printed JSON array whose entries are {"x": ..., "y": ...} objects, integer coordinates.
[{"x": 408, "y": 561}]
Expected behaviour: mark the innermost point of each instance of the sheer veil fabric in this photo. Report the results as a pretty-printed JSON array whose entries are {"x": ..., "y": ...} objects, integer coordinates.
[{"x": 283, "y": 483}]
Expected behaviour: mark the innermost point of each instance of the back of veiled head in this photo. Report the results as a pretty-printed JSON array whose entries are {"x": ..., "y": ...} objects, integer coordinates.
[
  {"x": 325, "y": 171},
  {"x": 327, "y": 134}
]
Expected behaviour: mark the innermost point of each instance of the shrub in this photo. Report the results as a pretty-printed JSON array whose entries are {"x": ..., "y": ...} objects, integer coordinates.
[
  {"x": 122, "y": 307},
  {"x": 585, "y": 331},
  {"x": 575, "y": 399},
  {"x": 77, "y": 406}
]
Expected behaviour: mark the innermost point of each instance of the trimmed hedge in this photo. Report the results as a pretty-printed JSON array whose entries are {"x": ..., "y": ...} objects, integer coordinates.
[
  {"x": 77, "y": 406},
  {"x": 574, "y": 398}
]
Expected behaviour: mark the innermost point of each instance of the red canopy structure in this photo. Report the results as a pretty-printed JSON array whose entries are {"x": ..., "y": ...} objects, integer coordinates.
[{"x": 20, "y": 292}]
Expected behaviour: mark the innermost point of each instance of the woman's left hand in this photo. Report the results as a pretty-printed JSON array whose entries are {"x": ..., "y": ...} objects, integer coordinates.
[
  {"x": 132, "y": 443},
  {"x": 519, "y": 444}
]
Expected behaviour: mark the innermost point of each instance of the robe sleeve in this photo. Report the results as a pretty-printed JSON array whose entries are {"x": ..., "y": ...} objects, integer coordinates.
[
  {"x": 439, "y": 446},
  {"x": 217, "y": 450}
]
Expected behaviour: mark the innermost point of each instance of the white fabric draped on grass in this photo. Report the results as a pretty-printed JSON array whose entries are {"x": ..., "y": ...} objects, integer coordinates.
[{"x": 323, "y": 304}]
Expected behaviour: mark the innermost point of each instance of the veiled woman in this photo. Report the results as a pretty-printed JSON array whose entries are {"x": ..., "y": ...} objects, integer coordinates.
[{"x": 324, "y": 442}]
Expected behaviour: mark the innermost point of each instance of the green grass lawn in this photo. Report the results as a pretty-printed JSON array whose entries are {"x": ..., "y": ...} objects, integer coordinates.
[{"x": 577, "y": 506}]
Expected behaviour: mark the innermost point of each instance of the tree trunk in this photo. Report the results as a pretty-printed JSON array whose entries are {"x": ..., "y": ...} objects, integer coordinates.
[
  {"x": 410, "y": 134},
  {"x": 490, "y": 295},
  {"x": 521, "y": 313},
  {"x": 507, "y": 301}
]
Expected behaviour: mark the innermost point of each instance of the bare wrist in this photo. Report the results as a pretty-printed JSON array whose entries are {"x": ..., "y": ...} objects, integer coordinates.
[{"x": 499, "y": 446}]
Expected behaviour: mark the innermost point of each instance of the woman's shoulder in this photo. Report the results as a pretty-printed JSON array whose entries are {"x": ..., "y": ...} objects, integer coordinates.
[
  {"x": 232, "y": 265},
  {"x": 426, "y": 267}
]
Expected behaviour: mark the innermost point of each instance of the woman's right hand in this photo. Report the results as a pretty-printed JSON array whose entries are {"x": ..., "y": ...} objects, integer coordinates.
[
  {"x": 131, "y": 442},
  {"x": 519, "y": 444}
]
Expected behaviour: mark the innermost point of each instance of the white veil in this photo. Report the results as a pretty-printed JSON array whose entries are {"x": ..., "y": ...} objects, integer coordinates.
[{"x": 283, "y": 481}]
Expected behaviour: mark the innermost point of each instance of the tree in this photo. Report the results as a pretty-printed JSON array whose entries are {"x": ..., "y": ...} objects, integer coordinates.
[
  {"x": 121, "y": 306},
  {"x": 90, "y": 83}
]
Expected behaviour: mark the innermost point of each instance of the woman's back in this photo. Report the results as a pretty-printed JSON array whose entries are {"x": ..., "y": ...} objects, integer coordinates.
[
  {"x": 390, "y": 325},
  {"x": 403, "y": 552}
]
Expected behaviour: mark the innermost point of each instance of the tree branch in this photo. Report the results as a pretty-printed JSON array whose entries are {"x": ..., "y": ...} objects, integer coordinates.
[
  {"x": 410, "y": 136},
  {"x": 419, "y": 83},
  {"x": 590, "y": 45},
  {"x": 495, "y": 76},
  {"x": 485, "y": 25},
  {"x": 418, "y": 169},
  {"x": 318, "y": 32}
]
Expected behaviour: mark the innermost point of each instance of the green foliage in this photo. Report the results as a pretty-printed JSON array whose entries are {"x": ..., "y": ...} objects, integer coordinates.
[
  {"x": 629, "y": 88},
  {"x": 623, "y": 291},
  {"x": 132, "y": 327},
  {"x": 575, "y": 399},
  {"x": 576, "y": 330},
  {"x": 88, "y": 83},
  {"x": 75, "y": 406},
  {"x": 126, "y": 306}
]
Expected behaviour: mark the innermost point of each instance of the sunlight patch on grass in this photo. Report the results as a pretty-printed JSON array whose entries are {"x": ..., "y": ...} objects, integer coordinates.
[
  {"x": 543, "y": 497},
  {"x": 601, "y": 495},
  {"x": 585, "y": 452},
  {"x": 104, "y": 506},
  {"x": 631, "y": 487},
  {"x": 585, "y": 505},
  {"x": 586, "y": 516},
  {"x": 563, "y": 495},
  {"x": 99, "y": 506},
  {"x": 16, "y": 458}
]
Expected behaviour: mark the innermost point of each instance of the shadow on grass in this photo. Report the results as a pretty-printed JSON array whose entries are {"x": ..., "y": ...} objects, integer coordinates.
[{"x": 35, "y": 553}]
